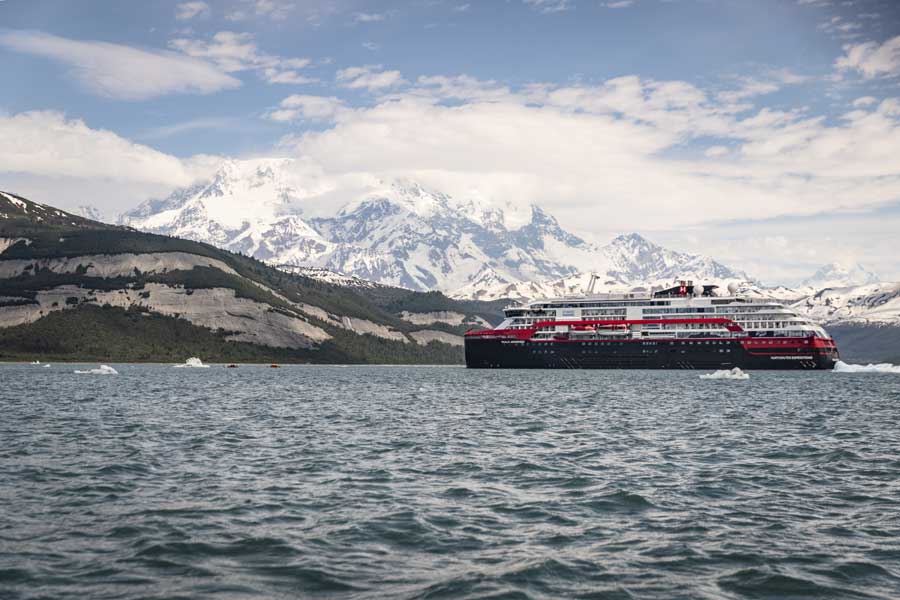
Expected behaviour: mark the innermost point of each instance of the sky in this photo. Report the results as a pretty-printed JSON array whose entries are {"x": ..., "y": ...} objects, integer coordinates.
[{"x": 764, "y": 133}]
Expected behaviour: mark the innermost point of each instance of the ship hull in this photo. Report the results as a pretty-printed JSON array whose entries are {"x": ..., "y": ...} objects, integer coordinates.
[{"x": 487, "y": 353}]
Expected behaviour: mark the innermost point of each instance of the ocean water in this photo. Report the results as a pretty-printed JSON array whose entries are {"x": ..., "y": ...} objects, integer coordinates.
[{"x": 439, "y": 482}]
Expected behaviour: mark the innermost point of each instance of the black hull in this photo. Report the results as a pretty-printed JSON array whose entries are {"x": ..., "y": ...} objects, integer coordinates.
[{"x": 485, "y": 353}]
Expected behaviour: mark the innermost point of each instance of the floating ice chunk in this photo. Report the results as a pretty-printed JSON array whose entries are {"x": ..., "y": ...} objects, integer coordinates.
[
  {"x": 842, "y": 367},
  {"x": 103, "y": 370},
  {"x": 192, "y": 363},
  {"x": 734, "y": 373}
]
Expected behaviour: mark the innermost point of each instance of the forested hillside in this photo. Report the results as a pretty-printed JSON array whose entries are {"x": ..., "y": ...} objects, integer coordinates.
[{"x": 75, "y": 289}]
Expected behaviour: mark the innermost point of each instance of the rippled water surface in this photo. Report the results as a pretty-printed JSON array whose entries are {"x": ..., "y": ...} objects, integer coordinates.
[{"x": 377, "y": 482}]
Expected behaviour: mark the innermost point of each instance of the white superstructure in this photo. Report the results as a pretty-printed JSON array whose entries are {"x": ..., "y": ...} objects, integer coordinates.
[{"x": 689, "y": 314}]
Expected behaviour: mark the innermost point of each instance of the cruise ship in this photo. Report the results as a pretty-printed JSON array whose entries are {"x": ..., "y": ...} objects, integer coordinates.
[{"x": 687, "y": 326}]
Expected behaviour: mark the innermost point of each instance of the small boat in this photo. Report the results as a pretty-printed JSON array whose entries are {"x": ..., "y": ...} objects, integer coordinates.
[
  {"x": 231, "y": 366},
  {"x": 274, "y": 366}
]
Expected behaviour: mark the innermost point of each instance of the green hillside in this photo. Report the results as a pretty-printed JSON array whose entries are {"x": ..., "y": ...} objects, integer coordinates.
[{"x": 87, "y": 326}]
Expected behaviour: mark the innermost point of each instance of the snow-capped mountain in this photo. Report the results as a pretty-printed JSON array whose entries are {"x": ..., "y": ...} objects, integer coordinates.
[
  {"x": 403, "y": 234},
  {"x": 873, "y": 303},
  {"x": 837, "y": 275},
  {"x": 629, "y": 261},
  {"x": 90, "y": 212},
  {"x": 241, "y": 203}
]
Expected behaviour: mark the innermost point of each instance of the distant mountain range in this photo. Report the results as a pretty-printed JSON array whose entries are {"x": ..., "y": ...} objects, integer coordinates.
[
  {"x": 403, "y": 234},
  {"x": 837, "y": 275},
  {"x": 406, "y": 235}
]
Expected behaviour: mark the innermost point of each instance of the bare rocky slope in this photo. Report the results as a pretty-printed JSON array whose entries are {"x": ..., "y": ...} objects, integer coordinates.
[{"x": 150, "y": 297}]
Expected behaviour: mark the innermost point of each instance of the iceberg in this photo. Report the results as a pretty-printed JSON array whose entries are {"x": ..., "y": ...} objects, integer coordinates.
[
  {"x": 103, "y": 370},
  {"x": 192, "y": 363},
  {"x": 734, "y": 373},
  {"x": 842, "y": 367}
]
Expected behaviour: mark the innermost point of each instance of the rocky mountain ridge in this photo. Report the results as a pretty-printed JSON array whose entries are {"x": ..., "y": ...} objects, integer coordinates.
[{"x": 406, "y": 235}]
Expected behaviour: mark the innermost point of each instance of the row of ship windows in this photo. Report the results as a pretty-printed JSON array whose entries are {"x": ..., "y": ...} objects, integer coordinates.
[
  {"x": 583, "y": 350},
  {"x": 603, "y": 304},
  {"x": 699, "y": 327},
  {"x": 684, "y": 313},
  {"x": 708, "y": 309},
  {"x": 698, "y": 343},
  {"x": 528, "y": 321},
  {"x": 549, "y": 310}
]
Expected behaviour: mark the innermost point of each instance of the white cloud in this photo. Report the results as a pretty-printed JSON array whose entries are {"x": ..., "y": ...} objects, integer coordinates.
[
  {"x": 47, "y": 143},
  {"x": 749, "y": 87},
  {"x": 299, "y": 106},
  {"x": 234, "y": 52},
  {"x": 865, "y": 101},
  {"x": 123, "y": 72},
  {"x": 369, "y": 77},
  {"x": 838, "y": 27},
  {"x": 549, "y": 6},
  {"x": 787, "y": 77},
  {"x": 619, "y": 4},
  {"x": 460, "y": 87},
  {"x": 362, "y": 17},
  {"x": 275, "y": 10},
  {"x": 188, "y": 10},
  {"x": 612, "y": 150},
  {"x": 371, "y": 46},
  {"x": 52, "y": 159},
  {"x": 872, "y": 59},
  {"x": 202, "y": 124},
  {"x": 289, "y": 77},
  {"x": 767, "y": 82}
]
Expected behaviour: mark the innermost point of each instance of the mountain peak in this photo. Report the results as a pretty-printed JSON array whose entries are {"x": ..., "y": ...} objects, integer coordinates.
[
  {"x": 402, "y": 232},
  {"x": 837, "y": 275},
  {"x": 630, "y": 238}
]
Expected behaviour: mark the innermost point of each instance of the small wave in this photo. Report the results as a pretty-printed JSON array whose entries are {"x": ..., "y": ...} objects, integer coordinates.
[
  {"x": 620, "y": 501},
  {"x": 763, "y": 583},
  {"x": 47, "y": 366},
  {"x": 842, "y": 367},
  {"x": 103, "y": 370},
  {"x": 192, "y": 363},
  {"x": 734, "y": 373}
]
